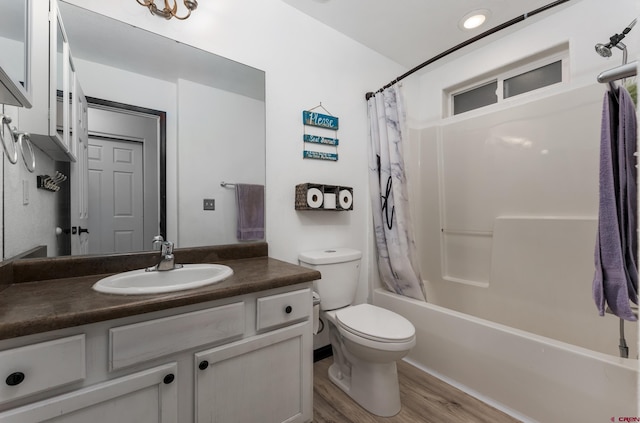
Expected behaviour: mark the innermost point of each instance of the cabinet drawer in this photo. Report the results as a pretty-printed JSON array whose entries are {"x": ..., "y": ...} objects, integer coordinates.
[
  {"x": 37, "y": 367},
  {"x": 146, "y": 396},
  {"x": 144, "y": 341},
  {"x": 277, "y": 310}
]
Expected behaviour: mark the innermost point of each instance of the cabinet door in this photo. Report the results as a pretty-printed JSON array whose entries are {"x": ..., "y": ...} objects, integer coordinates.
[
  {"x": 52, "y": 74},
  {"x": 263, "y": 379},
  {"x": 15, "y": 44},
  {"x": 149, "y": 396},
  {"x": 79, "y": 176}
]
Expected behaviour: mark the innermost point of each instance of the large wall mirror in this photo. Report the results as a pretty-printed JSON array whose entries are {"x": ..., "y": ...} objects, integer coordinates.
[{"x": 215, "y": 122}]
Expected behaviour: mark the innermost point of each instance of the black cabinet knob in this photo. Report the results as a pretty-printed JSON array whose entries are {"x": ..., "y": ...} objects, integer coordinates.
[
  {"x": 15, "y": 378},
  {"x": 288, "y": 309},
  {"x": 168, "y": 378},
  {"x": 203, "y": 365}
]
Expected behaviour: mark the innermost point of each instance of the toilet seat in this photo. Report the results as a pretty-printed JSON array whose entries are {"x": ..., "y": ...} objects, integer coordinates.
[{"x": 375, "y": 324}]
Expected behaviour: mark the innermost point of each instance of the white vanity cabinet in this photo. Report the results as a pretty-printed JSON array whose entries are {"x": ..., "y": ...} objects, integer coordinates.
[
  {"x": 240, "y": 359},
  {"x": 265, "y": 378},
  {"x": 54, "y": 94}
]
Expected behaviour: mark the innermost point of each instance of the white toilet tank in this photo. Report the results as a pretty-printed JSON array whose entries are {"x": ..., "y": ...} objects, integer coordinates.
[{"x": 340, "y": 268}]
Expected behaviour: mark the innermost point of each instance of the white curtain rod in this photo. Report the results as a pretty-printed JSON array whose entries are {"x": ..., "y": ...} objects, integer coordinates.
[{"x": 619, "y": 72}]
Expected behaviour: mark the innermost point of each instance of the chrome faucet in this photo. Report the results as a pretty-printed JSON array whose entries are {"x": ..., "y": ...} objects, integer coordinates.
[
  {"x": 157, "y": 242},
  {"x": 167, "y": 259}
]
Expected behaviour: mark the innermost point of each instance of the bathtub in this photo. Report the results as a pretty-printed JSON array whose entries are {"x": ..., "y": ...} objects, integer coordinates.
[{"x": 531, "y": 377}]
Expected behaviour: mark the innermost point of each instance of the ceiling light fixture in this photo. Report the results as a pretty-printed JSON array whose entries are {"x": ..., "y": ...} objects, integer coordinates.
[
  {"x": 473, "y": 19},
  {"x": 169, "y": 12}
]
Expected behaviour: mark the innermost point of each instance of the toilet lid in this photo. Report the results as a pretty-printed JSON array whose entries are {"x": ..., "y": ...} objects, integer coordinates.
[{"x": 375, "y": 323}]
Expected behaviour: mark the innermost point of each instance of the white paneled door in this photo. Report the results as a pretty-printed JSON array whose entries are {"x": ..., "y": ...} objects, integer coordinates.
[{"x": 115, "y": 200}]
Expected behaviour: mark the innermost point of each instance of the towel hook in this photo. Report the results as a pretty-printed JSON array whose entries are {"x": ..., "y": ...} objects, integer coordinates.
[
  {"x": 12, "y": 156},
  {"x": 23, "y": 138}
]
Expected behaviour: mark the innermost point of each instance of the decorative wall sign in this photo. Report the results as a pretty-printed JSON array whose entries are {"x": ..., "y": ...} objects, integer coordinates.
[
  {"x": 319, "y": 140},
  {"x": 322, "y": 122},
  {"x": 318, "y": 119},
  {"x": 319, "y": 155}
]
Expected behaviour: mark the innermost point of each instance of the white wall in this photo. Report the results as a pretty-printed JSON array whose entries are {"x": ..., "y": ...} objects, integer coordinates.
[
  {"x": 305, "y": 63},
  {"x": 218, "y": 138},
  {"x": 33, "y": 224}
]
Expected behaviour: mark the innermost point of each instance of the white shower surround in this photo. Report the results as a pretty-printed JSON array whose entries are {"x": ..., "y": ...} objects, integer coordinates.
[{"x": 509, "y": 202}]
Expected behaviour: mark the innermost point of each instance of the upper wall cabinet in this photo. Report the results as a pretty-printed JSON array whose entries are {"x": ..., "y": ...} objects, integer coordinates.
[
  {"x": 53, "y": 76},
  {"x": 15, "y": 46}
]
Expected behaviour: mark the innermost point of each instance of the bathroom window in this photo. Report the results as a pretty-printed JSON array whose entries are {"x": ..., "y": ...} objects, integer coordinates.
[
  {"x": 532, "y": 80},
  {"x": 475, "y": 97},
  {"x": 533, "y": 73}
]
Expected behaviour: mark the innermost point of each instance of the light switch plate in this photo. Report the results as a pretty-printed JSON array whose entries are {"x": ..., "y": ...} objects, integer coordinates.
[
  {"x": 209, "y": 204},
  {"x": 25, "y": 192}
]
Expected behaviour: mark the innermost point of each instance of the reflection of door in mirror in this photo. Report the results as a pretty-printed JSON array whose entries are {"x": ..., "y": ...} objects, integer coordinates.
[
  {"x": 123, "y": 184},
  {"x": 115, "y": 195},
  {"x": 79, "y": 178}
]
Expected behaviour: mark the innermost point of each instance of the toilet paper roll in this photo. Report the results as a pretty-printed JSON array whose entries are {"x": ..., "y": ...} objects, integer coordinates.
[
  {"x": 314, "y": 198},
  {"x": 329, "y": 200},
  {"x": 316, "y": 318},
  {"x": 346, "y": 199}
]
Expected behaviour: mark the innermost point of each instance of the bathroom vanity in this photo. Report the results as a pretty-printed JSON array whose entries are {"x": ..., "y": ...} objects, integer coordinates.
[{"x": 237, "y": 351}]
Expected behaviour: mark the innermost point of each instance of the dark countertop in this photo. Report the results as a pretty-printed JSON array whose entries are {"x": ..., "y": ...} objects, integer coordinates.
[{"x": 30, "y": 305}]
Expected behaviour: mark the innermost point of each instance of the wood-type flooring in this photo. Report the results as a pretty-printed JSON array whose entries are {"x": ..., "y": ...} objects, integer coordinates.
[{"x": 425, "y": 399}]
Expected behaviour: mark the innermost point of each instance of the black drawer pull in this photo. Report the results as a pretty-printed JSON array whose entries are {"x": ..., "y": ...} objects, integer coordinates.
[
  {"x": 203, "y": 365},
  {"x": 15, "y": 379},
  {"x": 288, "y": 309},
  {"x": 168, "y": 378}
]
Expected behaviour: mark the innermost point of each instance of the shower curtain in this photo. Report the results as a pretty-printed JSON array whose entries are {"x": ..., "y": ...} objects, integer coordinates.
[{"x": 388, "y": 188}]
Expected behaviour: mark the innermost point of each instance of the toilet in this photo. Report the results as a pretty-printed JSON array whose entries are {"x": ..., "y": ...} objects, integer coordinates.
[{"x": 366, "y": 340}]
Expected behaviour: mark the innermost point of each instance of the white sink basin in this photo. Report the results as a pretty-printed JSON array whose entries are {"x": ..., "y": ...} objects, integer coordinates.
[{"x": 155, "y": 282}]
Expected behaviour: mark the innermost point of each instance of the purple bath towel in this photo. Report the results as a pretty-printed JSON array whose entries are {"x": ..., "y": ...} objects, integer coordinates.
[
  {"x": 627, "y": 144},
  {"x": 250, "y": 205},
  {"x": 616, "y": 277}
]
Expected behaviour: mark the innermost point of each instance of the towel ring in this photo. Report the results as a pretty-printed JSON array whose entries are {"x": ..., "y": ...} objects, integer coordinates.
[
  {"x": 22, "y": 139},
  {"x": 13, "y": 157}
]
